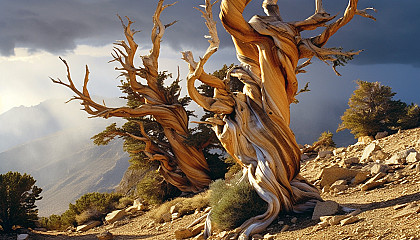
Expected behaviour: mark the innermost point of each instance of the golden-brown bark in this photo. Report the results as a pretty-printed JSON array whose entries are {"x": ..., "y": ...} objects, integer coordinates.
[
  {"x": 253, "y": 125},
  {"x": 184, "y": 166}
]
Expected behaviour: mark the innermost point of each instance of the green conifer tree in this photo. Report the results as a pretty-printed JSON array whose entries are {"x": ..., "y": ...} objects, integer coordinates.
[{"x": 18, "y": 194}]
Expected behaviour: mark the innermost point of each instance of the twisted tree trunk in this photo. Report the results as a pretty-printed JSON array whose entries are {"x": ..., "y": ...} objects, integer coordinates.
[
  {"x": 182, "y": 165},
  {"x": 253, "y": 125}
]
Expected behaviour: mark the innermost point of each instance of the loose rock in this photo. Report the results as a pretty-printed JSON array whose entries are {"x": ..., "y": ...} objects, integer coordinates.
[
  {"x": 331, "y": 174},
  {"x": 105, "y": 236},
  {"x": 115, "y": 216},
  {"x": 88, "y": 226},
  {"x": 369, "y": 149},
  {"x": 349, "y": 220},
  {"x": 326, "y": 208}
]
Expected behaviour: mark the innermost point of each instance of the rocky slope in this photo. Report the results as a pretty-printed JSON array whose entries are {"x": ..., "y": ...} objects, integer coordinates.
[{"x": 372, "y": 191}]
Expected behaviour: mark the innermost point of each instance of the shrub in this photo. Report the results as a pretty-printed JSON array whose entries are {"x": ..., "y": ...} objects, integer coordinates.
[
  {"x": 155, "y": 190},
  {"x": 411, "y": 118},
  {"x": 89, "y": 215},
  {"x": 324, "y": 142},
  {"x": 183, "y": 205},
  {"x": 234, "y": 204},
  {"x": 124, "y": 202}
]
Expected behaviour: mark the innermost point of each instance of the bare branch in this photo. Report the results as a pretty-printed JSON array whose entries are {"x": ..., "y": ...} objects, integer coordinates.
[{"x": 332, "y": 28}]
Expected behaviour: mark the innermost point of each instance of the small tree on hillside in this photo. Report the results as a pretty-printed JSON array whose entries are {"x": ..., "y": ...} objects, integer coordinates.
[
  {"x": 411, "y": 118},
  {"x": 18, "y": 194},
  {"x": 371, "y": 110}
]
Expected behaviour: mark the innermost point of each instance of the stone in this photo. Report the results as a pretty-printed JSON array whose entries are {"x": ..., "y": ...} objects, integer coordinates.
[
  {"x": 200, "y": 236},
  {"x": 105, "y": 236},
  {"x": 418, "y": 168},
  {"x": 257, "y": 237},
  {"x": 408, "y": 210},
  {"x": 339, "y": 188},
  {"x": 326, "y": 208},
  {"x": 87, "y": 226},
  {"x": 349, "y": 220},
  {"x": 339, "y": 150},
  {"x": 166, "y": 217},
  {"x": 325, "y": 154},
  {"x": 173, "y": 209},
  {"x": 413, "y": 157},
  {"x": 379, "y": 155},
  {"x": 131, "y": 209},
  {"x": 360, "y": 177},
  {"x": 350, "y": 161},
  {"x": 304, "y": 157},
  {"x": 374, "y": 182},
  {"x": 380, "y": 135},
  {"x": 197, "y": 228},
  {"x": 183, "y": 233},
  {"x": 339, "y": 185},
  {"x": 364, "y": 139},
  {"x": 333, "y": 220},
  {"x": 115, "y": 216},
  {"x": 269, "y": 236},
  {"x": 175, "y": 216},
  {"x": 22, "y": 236},
  {"x": 331, "y": 174},
  {"x": 367, "y": 152},
  {"x": 355, "y": 212},
  {"x": 294, "y": 220},
  {"x": 285, "y": 228},
  {"x": 378, "y": 167}
]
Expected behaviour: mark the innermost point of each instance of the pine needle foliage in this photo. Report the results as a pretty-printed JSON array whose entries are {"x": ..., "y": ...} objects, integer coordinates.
[
  {"x": 233, "y": 204},
  {"x": 372, "y": 110},
  {"x": 18, "y": 194}
]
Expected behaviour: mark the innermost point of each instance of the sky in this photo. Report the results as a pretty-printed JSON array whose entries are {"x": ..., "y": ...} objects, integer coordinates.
[{"x": 34, "y": 33}]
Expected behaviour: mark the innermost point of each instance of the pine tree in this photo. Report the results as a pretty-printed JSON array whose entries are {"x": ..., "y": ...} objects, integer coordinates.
[
  {"x": 371, "y": 110},
  {"x": 18, "y": 194}
]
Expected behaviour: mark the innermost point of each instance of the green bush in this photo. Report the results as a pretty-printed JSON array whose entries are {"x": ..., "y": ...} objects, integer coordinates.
[
  {"x": 91, "y": 206},
  {"x": 183, "y": 205},
  {"x": 324, "y": 142},
  {"x": 234, "y": 204},
  {"x": 155, "y": 190}
]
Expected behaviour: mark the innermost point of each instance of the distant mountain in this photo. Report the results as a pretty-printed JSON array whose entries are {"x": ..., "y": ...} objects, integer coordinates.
[
  {"x": 51, "y": 142},
  {"x": 23, "y": 124}
]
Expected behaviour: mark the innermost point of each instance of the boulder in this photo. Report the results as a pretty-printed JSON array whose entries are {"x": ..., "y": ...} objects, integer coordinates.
[
  {"x": 413, "y": 157},
  {"x": 379, "y": 155},
  {"x": 331, "y": 174},
  {"x": 325, "y": 154},
  {"x": 339, "y": 185},
  {"x": 304, "y": 157},
  {"x": 115, "y": 216},
  {"x": 380, "y": 135},
  {"x": 360, "y": 177},
  {"x": 339, "y": 150},
  {"x": 367, "y": 152},
  {"x": 88, "y": 226},
  {"x": 400, "y": 157},
  {"x": 350, "y": 161},
  {"x": 378, "y": 167},
  {"x": 374, "y": 182},
  {"x": 326, "y": 208},
  {"x": 166, "y": 217}
]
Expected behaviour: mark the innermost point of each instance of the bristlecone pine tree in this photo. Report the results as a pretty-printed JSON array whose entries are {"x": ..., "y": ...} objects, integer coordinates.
[
  {"x": 372, "y": 110},
  {"x": 253, "y": 124},
  {"x": 18, "y": 194},
  {"x": 157, "y": 128}
]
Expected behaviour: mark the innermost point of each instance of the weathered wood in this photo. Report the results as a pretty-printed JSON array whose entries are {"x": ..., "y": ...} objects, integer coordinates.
[
  {"x": 183, "y": 166},
  {"x": 253, "y": 125}
]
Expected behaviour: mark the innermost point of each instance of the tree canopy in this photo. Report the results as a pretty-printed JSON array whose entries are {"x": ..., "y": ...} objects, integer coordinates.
[{"x": 372, "y": 110}]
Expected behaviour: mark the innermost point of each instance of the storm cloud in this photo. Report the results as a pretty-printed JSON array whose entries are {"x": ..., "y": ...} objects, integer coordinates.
[{"x": 58, "y": 26}]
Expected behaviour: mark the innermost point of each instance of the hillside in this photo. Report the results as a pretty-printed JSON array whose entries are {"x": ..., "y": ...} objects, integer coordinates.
[
  {"x": 388, "y": 209},
  {"x": 51, "y": 142}
]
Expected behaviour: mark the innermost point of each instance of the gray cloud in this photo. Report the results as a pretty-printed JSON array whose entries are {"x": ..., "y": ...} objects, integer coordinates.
[{"x": 59, "y": 25}]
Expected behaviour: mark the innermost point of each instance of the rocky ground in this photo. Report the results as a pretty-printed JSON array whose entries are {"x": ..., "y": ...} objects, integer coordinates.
[{"x": 372, "y": 191}]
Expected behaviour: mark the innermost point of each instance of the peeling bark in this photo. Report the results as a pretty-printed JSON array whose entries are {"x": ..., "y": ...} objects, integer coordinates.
[
  {"x": 183, "y": 166},
  {"x": 253, "y": 125}
]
